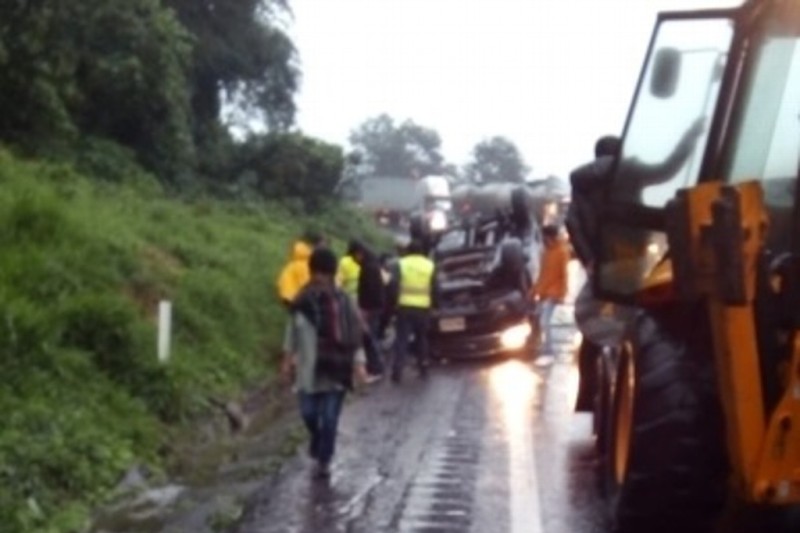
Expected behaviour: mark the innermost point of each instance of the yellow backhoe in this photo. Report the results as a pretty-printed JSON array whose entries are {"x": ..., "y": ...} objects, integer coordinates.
[{"x": 698, "y": 409}]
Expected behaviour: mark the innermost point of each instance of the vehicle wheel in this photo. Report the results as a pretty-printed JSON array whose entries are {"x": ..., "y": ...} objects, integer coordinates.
[
  {"x": 666, "y": 463},
  {"x": 512, "y": 257},
  {"x": 602, "y": 400},
  {"x": 603, "y": 430},
  {"x": 614, "y": 435},
  {"x": 587, "y": 355}
]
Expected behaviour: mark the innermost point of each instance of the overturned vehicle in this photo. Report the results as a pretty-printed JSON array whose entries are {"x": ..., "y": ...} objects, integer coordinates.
[{"x": 484, "y": 268}]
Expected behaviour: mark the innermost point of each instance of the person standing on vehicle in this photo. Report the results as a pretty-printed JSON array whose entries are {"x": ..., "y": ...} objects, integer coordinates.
[
  {"x": 550, "y": 289},
  {"x": 349, "y": 269},
  {"x": 589, "y": 185},
  {"x": 371, "y": 301},
  {"x": 602, "y": 323},
  {"x": 416, "y": 292},
  {"x": 322, "y": 351}
]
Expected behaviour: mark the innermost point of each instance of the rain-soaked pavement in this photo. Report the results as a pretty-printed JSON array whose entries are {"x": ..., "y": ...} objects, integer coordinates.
[
  {"x": 483, "y": 447},
  {"x": 476, "y": 447}
]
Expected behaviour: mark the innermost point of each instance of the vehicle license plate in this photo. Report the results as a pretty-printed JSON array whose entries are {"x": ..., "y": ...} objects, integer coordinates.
[{"x": 452, "y": 324}]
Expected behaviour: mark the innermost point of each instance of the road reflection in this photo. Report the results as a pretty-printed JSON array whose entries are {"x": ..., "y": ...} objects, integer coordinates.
[{"x": 515, "y": 386}]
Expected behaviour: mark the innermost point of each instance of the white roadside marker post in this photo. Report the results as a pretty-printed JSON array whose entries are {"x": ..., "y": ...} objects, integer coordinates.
[{"x": 164, "y": 329}]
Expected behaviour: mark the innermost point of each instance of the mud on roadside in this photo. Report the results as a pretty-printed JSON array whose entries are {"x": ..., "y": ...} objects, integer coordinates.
[{"x": 213, "y": 467}]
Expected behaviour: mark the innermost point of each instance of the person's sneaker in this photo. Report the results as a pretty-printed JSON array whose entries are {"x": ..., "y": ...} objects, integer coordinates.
[
  {"x": 373, "y": 378},
  {"x": 544, "y": 360}
]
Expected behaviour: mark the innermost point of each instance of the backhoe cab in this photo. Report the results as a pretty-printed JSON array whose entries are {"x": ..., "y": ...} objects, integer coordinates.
[{"x": 698, "y": 411}]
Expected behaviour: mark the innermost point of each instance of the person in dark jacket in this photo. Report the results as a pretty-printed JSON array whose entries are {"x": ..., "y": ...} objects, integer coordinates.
[
  {"x": 589, "y": 185},
  {"x": 371, "y": 298},
  {"x": 592, "y": 182},
  {"x": 389, "y": 268}
]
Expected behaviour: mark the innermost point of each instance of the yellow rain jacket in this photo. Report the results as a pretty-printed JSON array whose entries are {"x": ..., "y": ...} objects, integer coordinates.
[
  {"x": 347, "y": 276},
  {"x": 295, "y": 273}
]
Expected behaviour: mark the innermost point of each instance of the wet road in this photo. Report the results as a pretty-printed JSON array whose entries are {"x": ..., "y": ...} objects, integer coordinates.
[
  {"x": 476, "y": 447},
  {"x": 481, "y": 447}
]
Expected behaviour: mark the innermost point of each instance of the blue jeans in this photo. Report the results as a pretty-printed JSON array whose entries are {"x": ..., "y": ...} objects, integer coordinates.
[
  {"x": 547, "y": 307},
  {"x": 320, "y": 412},
  {"x": 371, "y": 348},
  {"x": 409, "y": 322}
]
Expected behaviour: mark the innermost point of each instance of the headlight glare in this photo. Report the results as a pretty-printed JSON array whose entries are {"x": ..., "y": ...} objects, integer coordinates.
[
  {"x": 438, "y": 221},
  {"x": 515, "y": 337}
]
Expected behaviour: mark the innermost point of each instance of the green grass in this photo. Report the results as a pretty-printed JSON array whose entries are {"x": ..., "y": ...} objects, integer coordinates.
[{"x": 83, "y": 265}]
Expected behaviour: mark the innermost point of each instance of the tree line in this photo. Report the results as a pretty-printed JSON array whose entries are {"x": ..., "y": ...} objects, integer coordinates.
[
  {"x": 159, "y": 82},
  {"x": 383, "y": 147},
  {"x": 116, "y": 84}
]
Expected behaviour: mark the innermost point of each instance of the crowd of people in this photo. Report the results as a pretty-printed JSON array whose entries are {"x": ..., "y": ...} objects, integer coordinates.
[
  {"x": 339, "y": 315},
  {"x": 341, "y": 309}
]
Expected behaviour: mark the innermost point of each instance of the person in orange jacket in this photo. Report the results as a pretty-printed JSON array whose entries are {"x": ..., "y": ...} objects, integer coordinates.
[
  {"x": 295, "y": 274},
  {"x": 551, "y": 287}
]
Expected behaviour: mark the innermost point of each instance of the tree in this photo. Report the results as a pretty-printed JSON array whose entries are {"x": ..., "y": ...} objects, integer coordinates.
[
  {"x": 152, "y": 76},
  {"x": 382, "y": 148},
  {"x": 112, "y": 69},
  {"x": 496, "y": 160},
  {"x": 241, "y": 58},
  {"x": 279, "y": 165}
]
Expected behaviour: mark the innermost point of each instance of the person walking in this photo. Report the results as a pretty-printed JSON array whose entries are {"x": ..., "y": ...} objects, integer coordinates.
[
  {"x": 550, "y": 289},
  {"x": 295, "y": 274},
  {"x": 371, "y": 297},
  {"x": 322, "y": 351},
  {"x": 416, "y": 295}
]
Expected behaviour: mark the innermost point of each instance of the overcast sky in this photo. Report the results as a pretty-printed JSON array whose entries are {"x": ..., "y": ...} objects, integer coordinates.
[{"x": 551, "y": 75}]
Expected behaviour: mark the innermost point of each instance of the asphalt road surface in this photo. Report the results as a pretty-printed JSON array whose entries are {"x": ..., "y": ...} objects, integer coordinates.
[
  {"x": 477, "y": 447},
  {"x": 486, "y": 447}
]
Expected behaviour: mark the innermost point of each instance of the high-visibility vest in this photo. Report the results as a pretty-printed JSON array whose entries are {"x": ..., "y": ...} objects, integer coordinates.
[
  {"x": 347, "y": 276},
  {"x": 416, "y": 278}
]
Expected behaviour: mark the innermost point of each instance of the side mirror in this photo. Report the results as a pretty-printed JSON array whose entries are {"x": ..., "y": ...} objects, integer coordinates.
[{"x": 666, "y": 72}]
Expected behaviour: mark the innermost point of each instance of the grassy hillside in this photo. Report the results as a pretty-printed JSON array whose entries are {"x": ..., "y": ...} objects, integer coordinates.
[{"x": 83, "y": 265}]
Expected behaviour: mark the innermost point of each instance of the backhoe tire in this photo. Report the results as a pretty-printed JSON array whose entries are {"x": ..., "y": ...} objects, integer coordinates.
[
  {"x": 588, "y": 355},
  {"x": 602, "y": 401},
  {"x": 675, "y": 468}
]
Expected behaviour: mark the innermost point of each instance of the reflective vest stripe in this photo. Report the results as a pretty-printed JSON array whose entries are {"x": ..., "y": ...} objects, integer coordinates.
[{"x": 416, "y": 278}]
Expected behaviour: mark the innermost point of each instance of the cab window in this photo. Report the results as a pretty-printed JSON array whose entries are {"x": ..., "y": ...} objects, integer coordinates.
[
  {"x": 766, "y": 144},
  {"x": 666, "y": 132}
]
